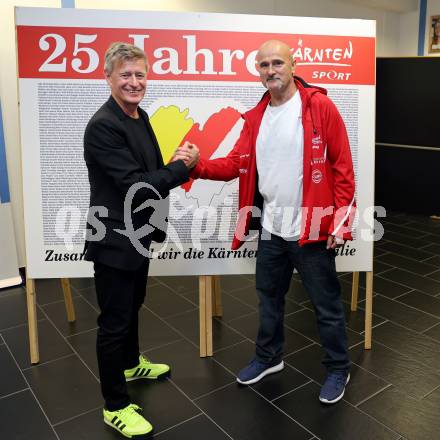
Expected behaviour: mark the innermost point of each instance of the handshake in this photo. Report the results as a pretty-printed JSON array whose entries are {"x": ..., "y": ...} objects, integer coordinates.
[{"x": 187, "y": 152}]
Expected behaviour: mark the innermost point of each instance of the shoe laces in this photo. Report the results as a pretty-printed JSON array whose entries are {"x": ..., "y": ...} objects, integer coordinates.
[
  {"x": 337, "y": 378},
  {"x": 256, "y": 364},
  {"x": 144, "y": 359},
  {"x": 130, "y": 412}
]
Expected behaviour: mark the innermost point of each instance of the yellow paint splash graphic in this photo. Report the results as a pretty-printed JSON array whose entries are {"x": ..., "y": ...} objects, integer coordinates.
[{"x": 170, "y": 125}]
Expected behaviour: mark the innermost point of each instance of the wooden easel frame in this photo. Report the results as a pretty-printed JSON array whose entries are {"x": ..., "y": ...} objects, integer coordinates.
[
  {"x": 210, "y": 305},
  {"x": 31, "y": 300},
  {"x": 368, "y": 304}
]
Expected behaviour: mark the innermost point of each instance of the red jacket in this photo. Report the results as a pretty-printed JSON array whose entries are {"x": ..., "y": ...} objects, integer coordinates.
[{"x": 328, "y": 176}]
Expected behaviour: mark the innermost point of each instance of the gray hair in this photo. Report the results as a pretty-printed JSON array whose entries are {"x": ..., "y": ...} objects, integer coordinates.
[{"x": 118, "y": 52}]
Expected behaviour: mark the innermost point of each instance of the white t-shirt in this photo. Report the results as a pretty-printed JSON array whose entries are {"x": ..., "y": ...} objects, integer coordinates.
[{"x": 280, "y": 145}]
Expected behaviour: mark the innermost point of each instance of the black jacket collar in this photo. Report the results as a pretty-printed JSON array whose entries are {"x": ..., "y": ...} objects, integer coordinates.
[{"x": 115, "y": 107}]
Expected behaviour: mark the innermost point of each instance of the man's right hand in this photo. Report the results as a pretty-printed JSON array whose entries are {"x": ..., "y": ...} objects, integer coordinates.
[{"x": 187, "y": 152}]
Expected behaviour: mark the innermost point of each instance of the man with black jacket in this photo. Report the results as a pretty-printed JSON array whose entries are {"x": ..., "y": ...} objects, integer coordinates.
[{"x": 124, "y": 163}]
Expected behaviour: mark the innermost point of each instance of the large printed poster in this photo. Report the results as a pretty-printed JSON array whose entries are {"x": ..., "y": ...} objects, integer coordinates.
[{"x": 202, "y": 78}]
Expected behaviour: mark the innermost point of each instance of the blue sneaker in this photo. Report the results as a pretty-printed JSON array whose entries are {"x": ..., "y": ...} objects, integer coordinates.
[
  {"x": 334, "y": 386},
  {"x": 256, "y": 370}
]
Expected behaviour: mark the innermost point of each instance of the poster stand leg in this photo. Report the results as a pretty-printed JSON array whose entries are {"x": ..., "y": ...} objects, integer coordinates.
[
  {"x": 368, "y": 304},
  {"x": 31, "y": 300},
  {"x": 32, "y": 320},
  {"x": 368, "y": 310},
  {"x": 206, "y": 283},
  {"x": 70, "y": 309},
  {"x": 354, "y": 291},
  {"x": 210, "y": 305},
  {"x": 217, "y": 309}
]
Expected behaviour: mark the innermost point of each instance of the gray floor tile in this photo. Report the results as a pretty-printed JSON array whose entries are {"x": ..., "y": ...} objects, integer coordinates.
[
  {"x": 28, "y": 421},
  {"x": 333, "y": 422},
  {"x": 235, "y": 409},
  {"x": 64, "y": 388},
  {"x": 416, "y": 420}
]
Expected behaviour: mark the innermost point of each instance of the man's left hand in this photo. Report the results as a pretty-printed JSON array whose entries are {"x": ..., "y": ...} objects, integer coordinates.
[{"x": 334, "y": 242}]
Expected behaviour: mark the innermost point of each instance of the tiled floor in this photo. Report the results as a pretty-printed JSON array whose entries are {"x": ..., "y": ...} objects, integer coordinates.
[{"x": 394, "y": 392}]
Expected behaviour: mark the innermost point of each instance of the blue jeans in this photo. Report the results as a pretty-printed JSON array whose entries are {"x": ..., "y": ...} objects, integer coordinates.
[{"x": 276, "y": 260}]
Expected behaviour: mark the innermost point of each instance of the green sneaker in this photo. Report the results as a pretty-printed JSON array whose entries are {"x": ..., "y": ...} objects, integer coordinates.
[
  {"x": 128, "y": 422},
  {"x": 146, "y": 370}
]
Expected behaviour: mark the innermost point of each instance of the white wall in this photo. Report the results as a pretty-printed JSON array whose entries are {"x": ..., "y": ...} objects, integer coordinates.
[
  {"x": 409, "y": 30},
  {"x": 408, "y": 35},
  {"x": 389, "y": 27},
  {"x": 433, "y": 8},
  {"x": 387, "y": 22}
]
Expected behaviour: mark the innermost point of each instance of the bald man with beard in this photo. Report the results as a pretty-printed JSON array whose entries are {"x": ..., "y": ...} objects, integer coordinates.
[{"x": 294, "y": 165}]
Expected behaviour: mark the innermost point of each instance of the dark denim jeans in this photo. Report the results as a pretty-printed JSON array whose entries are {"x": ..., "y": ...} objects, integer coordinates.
[{"x": 276, "y": 260}]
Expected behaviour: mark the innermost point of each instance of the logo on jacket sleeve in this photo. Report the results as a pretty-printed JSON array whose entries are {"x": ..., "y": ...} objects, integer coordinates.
[
  {"x": 316, "y": 142},
  {"x": 316, "y": 176}
]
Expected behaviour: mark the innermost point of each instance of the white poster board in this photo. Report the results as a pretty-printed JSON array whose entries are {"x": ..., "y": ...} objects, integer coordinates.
[{"x": 202, "y": 77}]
